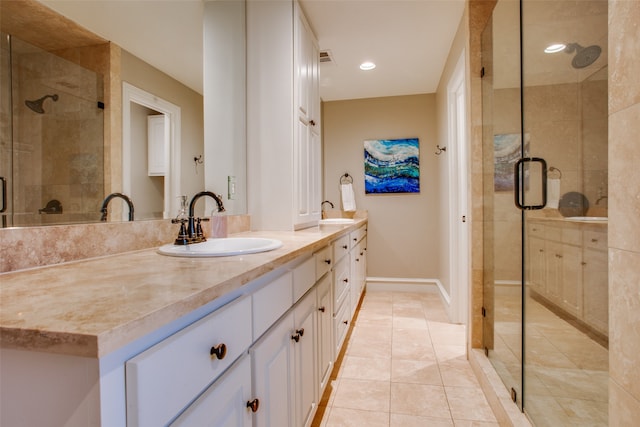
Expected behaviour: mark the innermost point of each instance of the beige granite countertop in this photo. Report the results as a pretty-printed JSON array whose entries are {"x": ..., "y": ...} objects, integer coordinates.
[
  {"x": 96, "y": 306},
  {"x": 567, "y": 222}
]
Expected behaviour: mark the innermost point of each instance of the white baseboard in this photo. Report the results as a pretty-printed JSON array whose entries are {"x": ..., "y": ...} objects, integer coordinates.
[{"x": 402, "y": 284}]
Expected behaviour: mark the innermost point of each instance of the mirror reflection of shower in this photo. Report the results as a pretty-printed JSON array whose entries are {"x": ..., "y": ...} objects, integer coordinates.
[
  {"x": 584, "y": 57},
  {"x": 36, "y": 105}
]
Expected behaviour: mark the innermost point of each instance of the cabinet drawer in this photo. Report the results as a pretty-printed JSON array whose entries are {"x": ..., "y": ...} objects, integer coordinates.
[
  {"x": 341, "y": 325},
  {"x": 595, "y": 240},
  {"x": 324, "y": 260},
  {"x": 270, "y": 302},
  {"x": 162, "y": 380},
  {"x": 304, "y": 277},
  {"x": 357, "y": 235},
  {"x": 536, "y": 230},
  {"x": 340, "y": 282},
  {"x": 341, "y": 247},
  {"x": 572, "y": 236}
]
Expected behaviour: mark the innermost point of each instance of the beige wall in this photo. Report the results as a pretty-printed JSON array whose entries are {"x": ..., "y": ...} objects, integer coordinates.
[
  {"x": 145, "y": 77},
  {"x": 624, "y": 209},
  {"x": 403, "y": 228}
]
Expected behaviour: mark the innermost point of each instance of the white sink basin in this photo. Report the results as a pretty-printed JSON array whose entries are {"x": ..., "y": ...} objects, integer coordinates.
[
  {"x": 336, "y": 221},
  {"x": 222, "y": 247},
  {"x": 587, "y": 218}
]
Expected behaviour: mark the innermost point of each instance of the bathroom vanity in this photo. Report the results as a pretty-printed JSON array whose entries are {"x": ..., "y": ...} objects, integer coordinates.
[
  {"x": 142, "y": 339},
  {"x": 568, "y": 271}
]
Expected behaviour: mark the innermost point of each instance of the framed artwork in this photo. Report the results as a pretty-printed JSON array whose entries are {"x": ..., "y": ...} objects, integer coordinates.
[
  {"x": 507, "y": 151},
  {"x": 391, "y": 166}
]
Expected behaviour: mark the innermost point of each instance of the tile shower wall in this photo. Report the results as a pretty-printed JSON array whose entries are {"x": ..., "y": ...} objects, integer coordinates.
[{"x": 624, "y": 205}]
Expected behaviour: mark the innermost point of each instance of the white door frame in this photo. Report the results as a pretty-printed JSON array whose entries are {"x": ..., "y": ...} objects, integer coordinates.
[
  {"x": 172, "y": 134},
  {"x": 458, "y": 165}
]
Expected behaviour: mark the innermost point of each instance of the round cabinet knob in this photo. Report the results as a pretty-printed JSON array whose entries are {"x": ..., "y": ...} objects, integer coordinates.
[
  {"x": 312, "y": 122},
  {"x": 218, "y": 351},
  {"x": 345, "y": 280},
  {"x": 296, "y": 337},
  {"x": 253, "y": 405},
  {"x": 346, "y": 322},
  {"x": 300, "y": 331},
  {"x": 328, "y": 261},
  {"x": 345, "y": 247},
  {"x": 322, "y": 309}
]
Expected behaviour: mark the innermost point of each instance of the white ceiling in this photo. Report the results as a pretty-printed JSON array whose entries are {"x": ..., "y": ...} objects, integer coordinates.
[{"x": 408, "y": 39}]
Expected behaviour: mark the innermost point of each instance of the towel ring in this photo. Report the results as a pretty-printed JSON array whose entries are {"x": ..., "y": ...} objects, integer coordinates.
[
  {"x": 346, "y": 179},
  {"x": 555, "y": 169}
]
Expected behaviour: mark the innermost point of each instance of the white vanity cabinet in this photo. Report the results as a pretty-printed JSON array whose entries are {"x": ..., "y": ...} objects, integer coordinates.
[
  {"x": 568, "y": 269},
  {"x": 357, "y": 270},
  {"x": 164, "y": 379},
  {"x": 225, "y": 403},
  {"x": 325, "y": 326},
  {"x": 283, "y": 117}
]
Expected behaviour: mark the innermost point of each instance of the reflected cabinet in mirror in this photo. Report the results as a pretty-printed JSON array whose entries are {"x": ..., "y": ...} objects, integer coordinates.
[{"x": 91, "y": 107}]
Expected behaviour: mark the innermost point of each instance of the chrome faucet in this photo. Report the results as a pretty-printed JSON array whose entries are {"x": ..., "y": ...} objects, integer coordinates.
[
  {"x": 195, "y": 233},
  {"x": 106, "y": 201}
]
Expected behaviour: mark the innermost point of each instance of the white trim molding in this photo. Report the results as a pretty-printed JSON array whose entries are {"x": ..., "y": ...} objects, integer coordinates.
[{"x": 404, "y": 284}]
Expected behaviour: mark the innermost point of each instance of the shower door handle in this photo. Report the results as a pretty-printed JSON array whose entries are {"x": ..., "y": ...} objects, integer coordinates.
[
  {"x": 4, "y": 194},
  {"x": 518, "y": 182}
]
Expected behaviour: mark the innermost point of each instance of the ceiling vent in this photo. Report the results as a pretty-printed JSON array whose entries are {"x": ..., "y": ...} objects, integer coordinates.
[{"x": 326, "y": 57}]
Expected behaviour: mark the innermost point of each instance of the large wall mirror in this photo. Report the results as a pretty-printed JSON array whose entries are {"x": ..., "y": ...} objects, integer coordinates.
[{"x": 82, "y": 84}]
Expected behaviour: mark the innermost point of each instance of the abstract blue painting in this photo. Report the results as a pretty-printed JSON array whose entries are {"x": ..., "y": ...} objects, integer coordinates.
[{"x": 391, "y": 166}]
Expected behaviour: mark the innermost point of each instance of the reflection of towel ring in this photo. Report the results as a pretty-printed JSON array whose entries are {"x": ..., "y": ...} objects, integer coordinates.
[
  {"x": 555, "y": 169},
  {"x": 440, "y": 149},
  {"x": 346, "y": 179}
]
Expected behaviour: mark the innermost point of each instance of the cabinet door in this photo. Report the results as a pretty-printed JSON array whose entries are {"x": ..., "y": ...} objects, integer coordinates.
[
  {"x": 537, "y": 265},
  {"x": 553, "y": 258},
  {"x": 224, "y": 403},
  {"x": 272, "y": 359},
  {"x": 572, "y": 279},
  {"x": 305, "y": 359},
  {"x": 596, "y": 290},
  {"x": 301, "y": 153},
  {"x": 325, "y": 351}
]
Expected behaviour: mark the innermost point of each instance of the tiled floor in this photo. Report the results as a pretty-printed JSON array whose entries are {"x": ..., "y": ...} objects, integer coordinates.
[{"x": 404, "y": 365}]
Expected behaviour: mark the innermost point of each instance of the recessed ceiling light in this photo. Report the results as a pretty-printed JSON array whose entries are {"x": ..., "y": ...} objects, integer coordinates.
[
  {"x": 556, "y": 47},
  {"x": 366, "y": 66}
]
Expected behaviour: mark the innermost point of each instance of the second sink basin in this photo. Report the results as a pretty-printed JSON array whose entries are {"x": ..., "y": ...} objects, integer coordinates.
[
  {"x": 336, "y": 221},
  {"x": 222, "y": 247}
]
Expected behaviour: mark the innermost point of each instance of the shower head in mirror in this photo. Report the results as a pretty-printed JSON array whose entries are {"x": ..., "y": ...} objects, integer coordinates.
[
  {"x": 585, "y": 56},
  {"x": 36, "y": 105}
]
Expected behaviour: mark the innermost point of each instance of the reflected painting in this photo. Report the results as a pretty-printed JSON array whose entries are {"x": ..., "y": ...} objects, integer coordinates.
[
  {"x": 507, "y": 151},
  {"x": 391, "y": 166}
]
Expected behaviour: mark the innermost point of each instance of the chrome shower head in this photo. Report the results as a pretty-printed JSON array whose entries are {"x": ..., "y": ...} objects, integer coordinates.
[
  {"x": 36, "y": 105},
  {"x": 585, "y": 56}
]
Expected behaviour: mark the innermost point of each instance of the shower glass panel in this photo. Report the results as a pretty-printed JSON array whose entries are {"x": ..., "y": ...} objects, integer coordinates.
[
  {"x": 545, "y": 207},
  {"x": 565, "y": 122},
  {"x": 51, "y": 157},
  {"x": 502, "y": 147}
]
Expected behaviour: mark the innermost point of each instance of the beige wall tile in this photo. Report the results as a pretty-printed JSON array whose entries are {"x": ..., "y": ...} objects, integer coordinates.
[
  {"x": 624, "y": 61},
  {"x": 624, "y": 318},
  {"x": 624, "y": 179}
]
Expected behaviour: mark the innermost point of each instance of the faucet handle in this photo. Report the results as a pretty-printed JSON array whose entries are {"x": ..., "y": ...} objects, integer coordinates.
[{"x": 183, "y": 235}]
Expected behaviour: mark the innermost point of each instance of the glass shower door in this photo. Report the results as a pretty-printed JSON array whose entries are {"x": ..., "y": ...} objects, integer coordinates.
[
  {"x": 564, "y": 74},
  {"x": 502, "y": 148}
]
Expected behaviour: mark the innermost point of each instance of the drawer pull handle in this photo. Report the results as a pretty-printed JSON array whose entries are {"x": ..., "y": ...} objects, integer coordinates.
[
  {"x": 297, "y": 336},
  {"x": 355, "y": 239},
  {"x": 594, "y": 240},
  {"x": 345, "y": 247},
  {"x": 328, "y": 261},
  {"x": 300, "y": 331},
  {"x": 345, "y": 280},
  {"x": 346, "y": 322},
  {"x": 322, "y": 309},
  {"x": 253, "y": 405},
  {"x": 219, "y": 351},
  {"x": 361, "y": 253}
]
